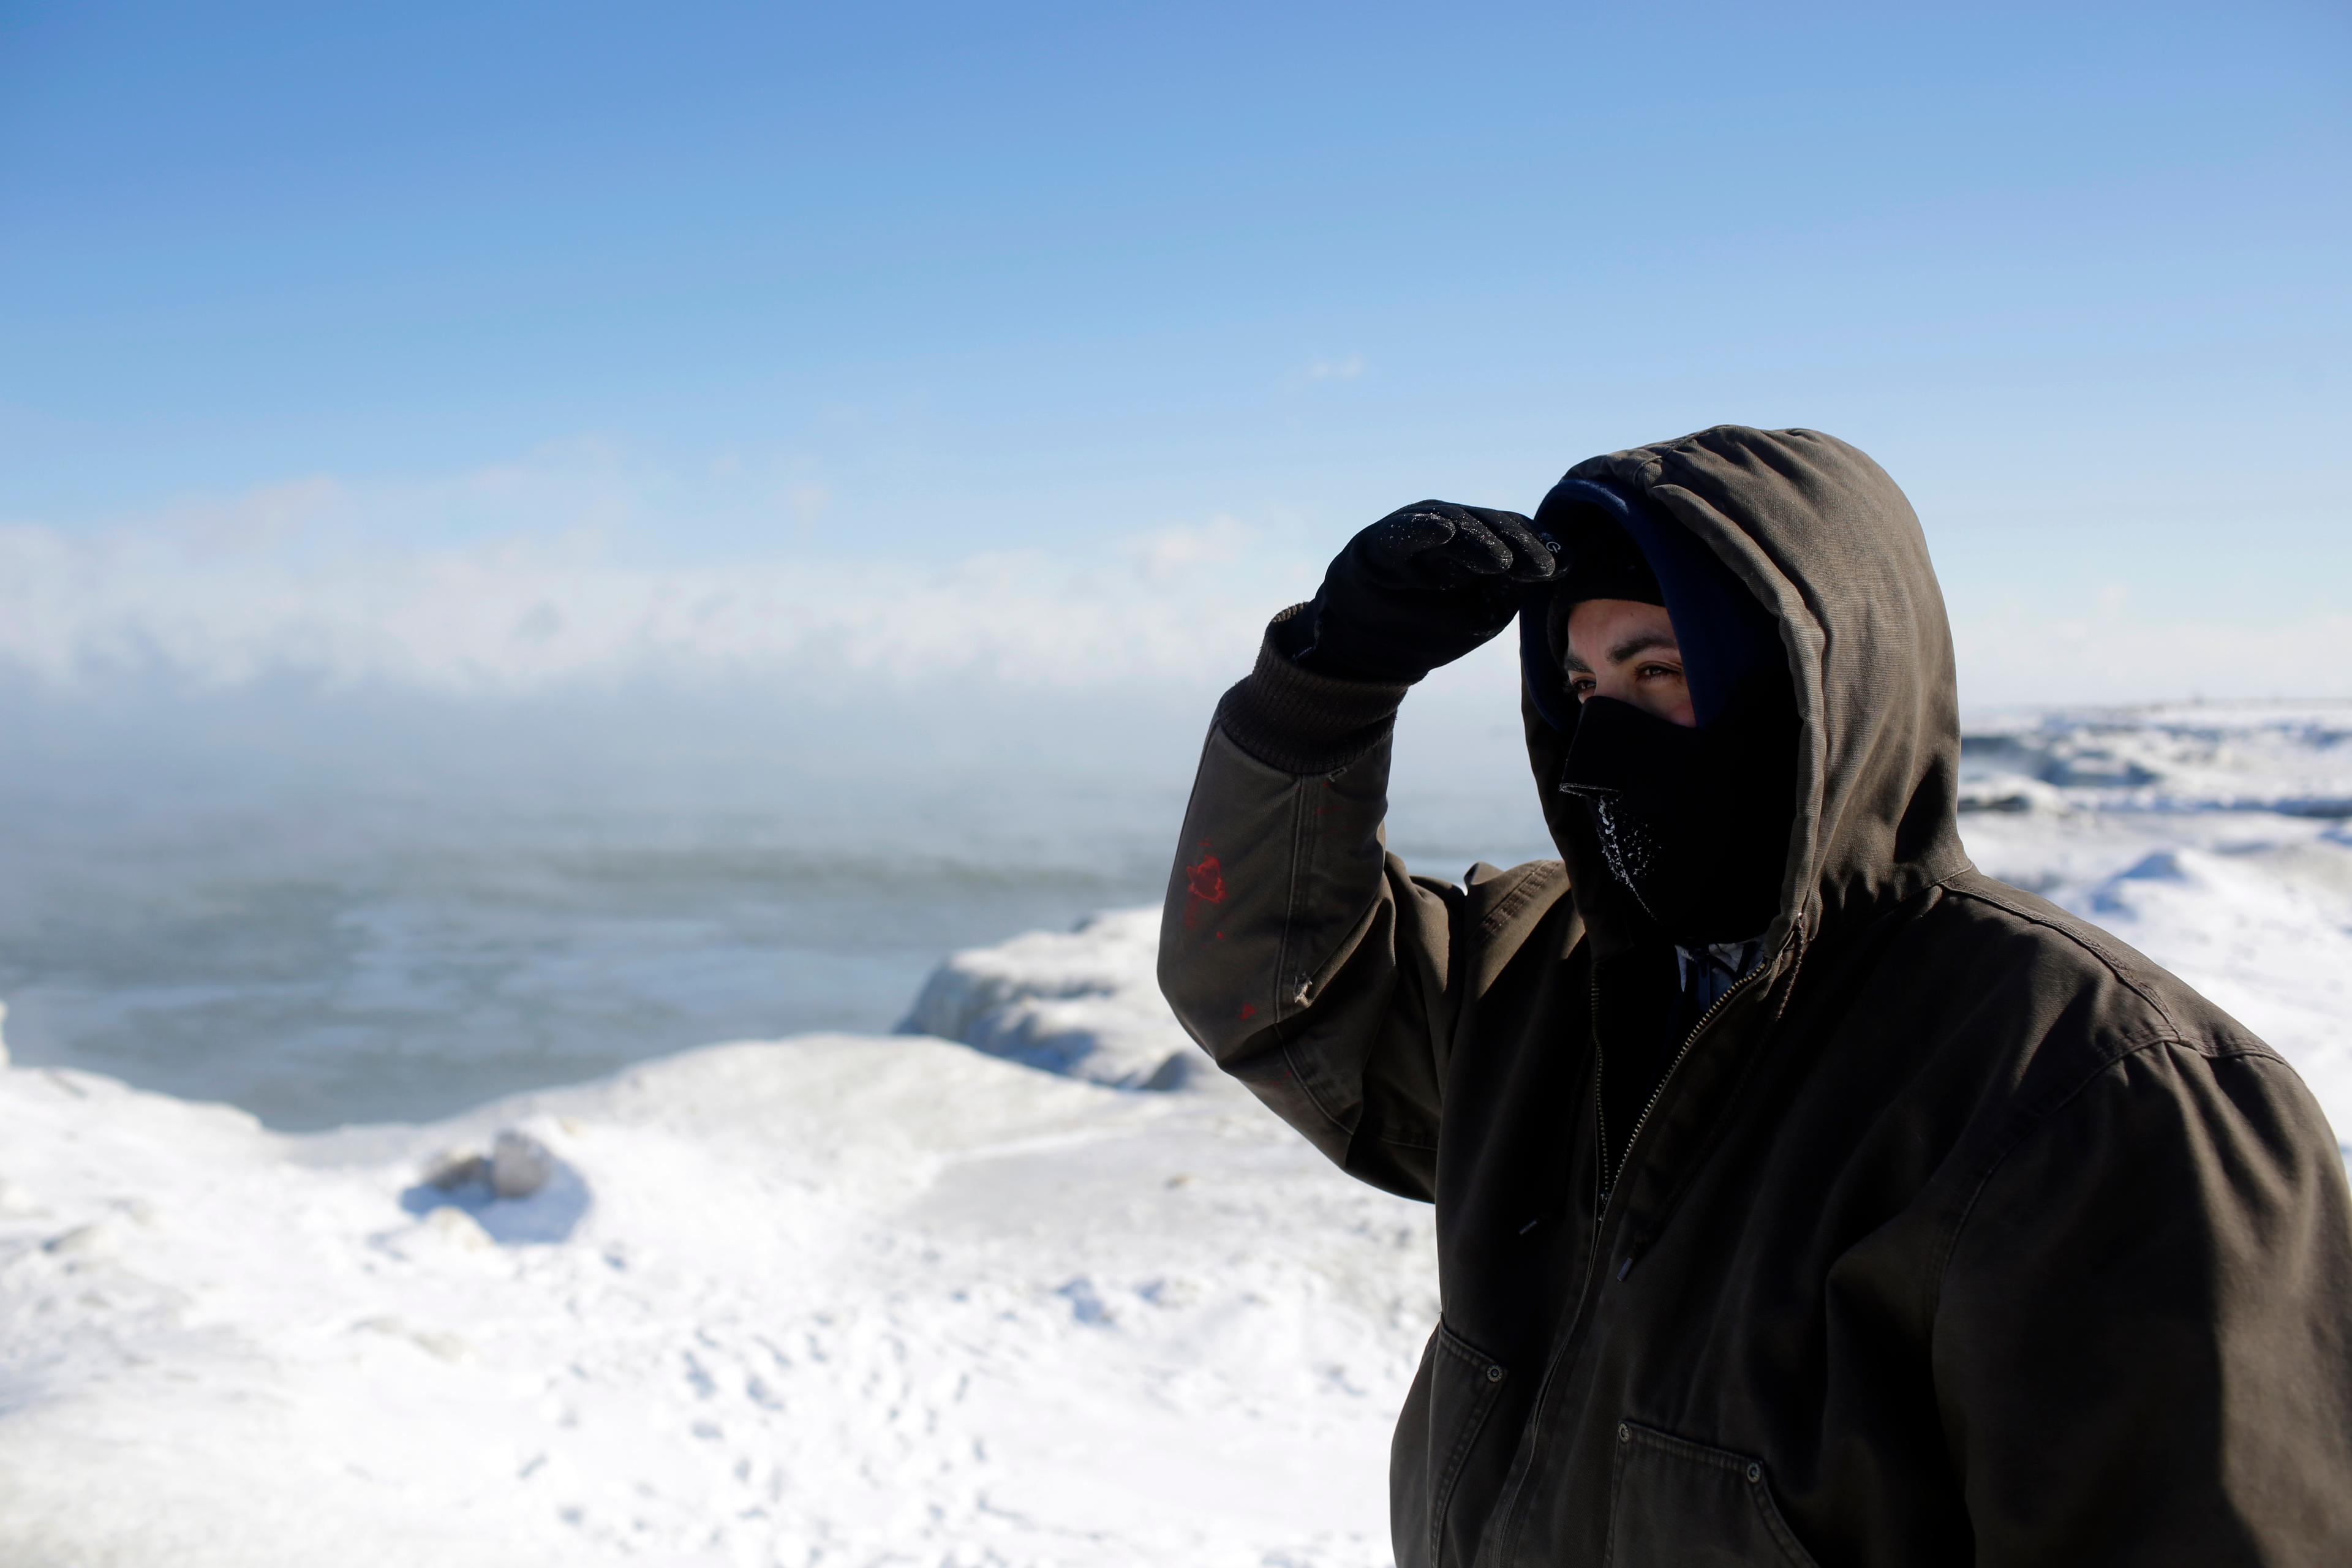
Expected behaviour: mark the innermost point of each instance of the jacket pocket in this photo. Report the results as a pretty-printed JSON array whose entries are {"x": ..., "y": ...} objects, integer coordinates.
[
  {"x": 1675, "y": 1503},
  {"x": 1453, "y": 1396}
]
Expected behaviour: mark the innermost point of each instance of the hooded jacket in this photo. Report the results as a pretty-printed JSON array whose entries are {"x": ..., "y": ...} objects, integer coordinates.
[{"x": 1957, "y": 1232}]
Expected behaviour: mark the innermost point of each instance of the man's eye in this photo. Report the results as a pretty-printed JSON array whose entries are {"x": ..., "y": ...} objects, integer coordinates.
[{"x": 1652, "y": 671}]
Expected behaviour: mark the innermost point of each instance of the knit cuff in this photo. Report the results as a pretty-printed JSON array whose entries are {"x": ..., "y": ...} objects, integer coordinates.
[{"x": 1301, "y": 721}]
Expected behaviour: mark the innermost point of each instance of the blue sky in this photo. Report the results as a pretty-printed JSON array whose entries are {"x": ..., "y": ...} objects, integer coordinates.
[{"x": 882, "y": 289}]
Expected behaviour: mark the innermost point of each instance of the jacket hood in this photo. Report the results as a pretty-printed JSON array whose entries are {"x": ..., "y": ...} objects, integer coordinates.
[{"x": 1831, "y": 550}]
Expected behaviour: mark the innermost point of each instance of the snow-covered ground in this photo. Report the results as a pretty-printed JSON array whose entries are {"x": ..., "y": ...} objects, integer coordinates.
[
  {"x": 846, "y": 1300},
  {"x": 1081, "y": 1002},
  {"x": 830, "y": 1300}
]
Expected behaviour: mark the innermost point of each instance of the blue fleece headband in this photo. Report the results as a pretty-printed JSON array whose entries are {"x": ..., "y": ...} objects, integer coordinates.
[{"x": 1729, "y": 641}]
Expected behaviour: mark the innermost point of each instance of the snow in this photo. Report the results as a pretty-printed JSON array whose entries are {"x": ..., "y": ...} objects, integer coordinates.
[
  {"x": 846, "y": 1300},
  {"x": 1078, "y": 1003},
  {"x": 832, "y": 1299}
]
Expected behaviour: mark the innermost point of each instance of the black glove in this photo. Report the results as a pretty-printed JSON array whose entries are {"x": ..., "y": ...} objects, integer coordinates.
[{"x": 1419, "y": 588}]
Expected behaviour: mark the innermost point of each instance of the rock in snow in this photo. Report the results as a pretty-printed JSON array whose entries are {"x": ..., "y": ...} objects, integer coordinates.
[
  {"x": 843, "y": 1300},
  {"x": 517, "y": 1166},
  {"x": 520, "y": 1165}
]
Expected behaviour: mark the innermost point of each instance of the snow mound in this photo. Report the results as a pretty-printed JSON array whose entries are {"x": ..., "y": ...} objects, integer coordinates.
[
  {"x": 1084, "y": 1003},
  {"x": 2263, "y": 927},
  {"x": 835, "y": 1299},
  {"x": 2295, "y": 760}
]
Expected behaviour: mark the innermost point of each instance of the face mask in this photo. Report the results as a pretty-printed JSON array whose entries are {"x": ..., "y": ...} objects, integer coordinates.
[{"x": 1688, "y": 819}]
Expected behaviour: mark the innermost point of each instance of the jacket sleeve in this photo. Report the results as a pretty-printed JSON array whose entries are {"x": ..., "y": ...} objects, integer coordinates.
[
  {"x": 2144, "y": 1344},
  {"x": 1294, "y": 948}
]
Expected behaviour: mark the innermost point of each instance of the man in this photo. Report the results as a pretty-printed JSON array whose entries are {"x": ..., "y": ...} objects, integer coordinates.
[{"x": 1803, "y": 1196}]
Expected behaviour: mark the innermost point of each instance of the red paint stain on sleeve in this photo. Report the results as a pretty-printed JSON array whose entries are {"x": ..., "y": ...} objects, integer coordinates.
[
  {"x": 1249, "y": 1010},
  {"x": 1204, "y": 881}
]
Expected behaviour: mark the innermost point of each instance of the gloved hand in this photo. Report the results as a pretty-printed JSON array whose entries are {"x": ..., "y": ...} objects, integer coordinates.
[{"x": 1419, "y": 588}]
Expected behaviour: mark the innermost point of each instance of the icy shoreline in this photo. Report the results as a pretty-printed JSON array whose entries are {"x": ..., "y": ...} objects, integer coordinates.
[
  {"x": 1081, "y": 1002},
  {"x": 829, "y": 1299},
  {"x": 862, "y": 1299}
]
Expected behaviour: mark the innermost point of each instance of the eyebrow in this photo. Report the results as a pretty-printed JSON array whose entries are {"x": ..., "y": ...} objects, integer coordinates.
[{"x": 1642, "y": 642}]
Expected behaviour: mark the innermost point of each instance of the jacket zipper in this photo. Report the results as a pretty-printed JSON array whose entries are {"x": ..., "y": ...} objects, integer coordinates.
[
  {"x": 1600, "y": 1208},
  {"x": 1601, "y": 1181},
  {"x": 1734, "y": 989}
]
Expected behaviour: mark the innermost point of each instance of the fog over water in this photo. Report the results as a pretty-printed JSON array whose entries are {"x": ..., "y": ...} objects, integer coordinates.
[{"x": 331, "y": 907}]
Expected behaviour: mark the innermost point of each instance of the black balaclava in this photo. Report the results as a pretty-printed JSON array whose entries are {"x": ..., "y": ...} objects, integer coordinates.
[{"x": 1693, "y": 821}]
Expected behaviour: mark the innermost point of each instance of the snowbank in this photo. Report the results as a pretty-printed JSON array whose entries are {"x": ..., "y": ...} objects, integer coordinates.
[
  {"x": 2294, "y": 759},
  {"x": 1084, "y": 1003},
  {"x": 833, "y": 1299}
]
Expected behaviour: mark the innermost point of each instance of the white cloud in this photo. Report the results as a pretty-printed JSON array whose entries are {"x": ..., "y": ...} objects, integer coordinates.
[
  {"x": 1345, "y": 369},
  {"x": 808, "y": 502},
  {"x": 1167, "y": 553},
  {"x": 287, "y": 581},
  {"x": 2105, "y": 653}
]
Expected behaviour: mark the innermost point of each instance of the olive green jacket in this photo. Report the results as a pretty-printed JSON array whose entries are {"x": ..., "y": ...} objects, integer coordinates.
[{"x": 1959, "y": 1233}]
